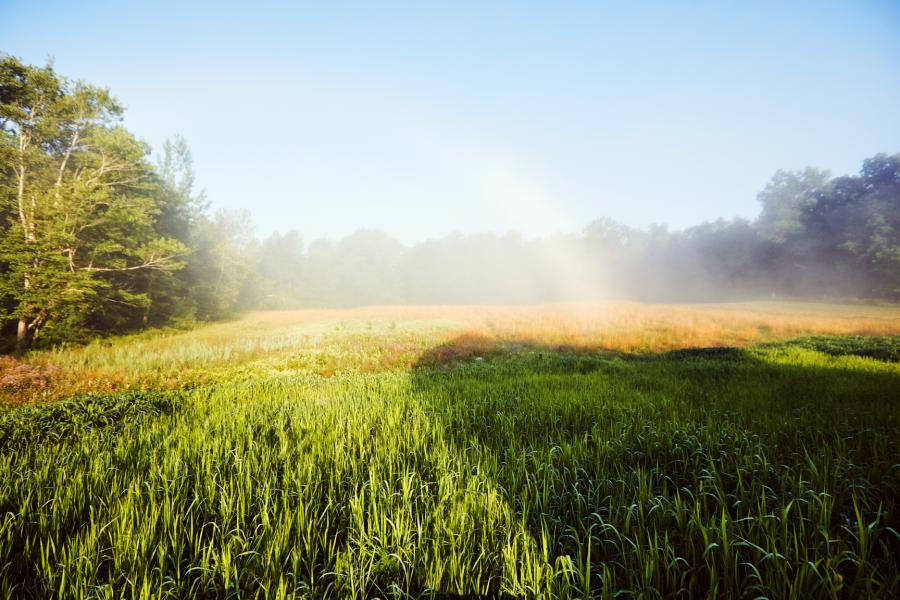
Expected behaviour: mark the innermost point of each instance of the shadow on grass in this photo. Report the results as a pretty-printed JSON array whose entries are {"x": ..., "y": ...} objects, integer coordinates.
[
  {"x": 69, "y": 419},
  {"x": 682, "y": 472}
]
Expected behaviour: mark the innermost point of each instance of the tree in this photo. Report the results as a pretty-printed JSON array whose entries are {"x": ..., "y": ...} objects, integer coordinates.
[
  {"x": 221, "y": 262},
  {"x": 78, "y": 204},
  {"x": 854, "y": 224},
  {"x": 879, "y": 245},
  {"x": 181, "y": 210},
  {"x": 279, "y": 271},
  {"x": 784, "y": 199}
]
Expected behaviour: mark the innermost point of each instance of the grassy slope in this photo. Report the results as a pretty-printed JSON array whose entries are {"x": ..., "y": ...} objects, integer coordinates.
[{"x": 534, "y": 471}]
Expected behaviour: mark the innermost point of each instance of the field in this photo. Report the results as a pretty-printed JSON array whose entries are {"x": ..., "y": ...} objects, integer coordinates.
[{"x": 612, "y": 451}]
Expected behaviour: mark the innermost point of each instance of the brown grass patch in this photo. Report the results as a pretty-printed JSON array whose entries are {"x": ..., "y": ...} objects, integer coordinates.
[{"x": 21, "y": 381}]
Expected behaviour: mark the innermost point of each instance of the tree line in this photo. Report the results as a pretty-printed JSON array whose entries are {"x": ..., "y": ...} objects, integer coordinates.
[{"x": 96, "y": 237}]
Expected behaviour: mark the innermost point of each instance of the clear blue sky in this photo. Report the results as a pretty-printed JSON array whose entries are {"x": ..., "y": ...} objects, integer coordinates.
[{"x": 331, "y": 116}]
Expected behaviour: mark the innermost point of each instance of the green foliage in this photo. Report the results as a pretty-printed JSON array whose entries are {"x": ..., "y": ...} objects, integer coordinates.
[
  {"x": 219, "y": 267},
  {"x": 93, "y": 238},
  {"x": 77, "y": 205},
  {"x": 533, "y": 473},
  {"x": 784, "y": 199},
  {"x": 74, "y": 418},
  {"x": 841, "y": 235}
]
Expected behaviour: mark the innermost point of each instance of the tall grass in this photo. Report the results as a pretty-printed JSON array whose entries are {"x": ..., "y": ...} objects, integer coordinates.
[{"x": 769, "y": 472}]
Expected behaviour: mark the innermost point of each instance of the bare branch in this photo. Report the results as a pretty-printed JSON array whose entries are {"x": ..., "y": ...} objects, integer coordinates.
[{"x": 161, "y": 263}]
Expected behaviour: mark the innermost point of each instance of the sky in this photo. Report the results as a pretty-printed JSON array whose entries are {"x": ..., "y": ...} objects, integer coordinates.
[{"x": 422, "y": 119}]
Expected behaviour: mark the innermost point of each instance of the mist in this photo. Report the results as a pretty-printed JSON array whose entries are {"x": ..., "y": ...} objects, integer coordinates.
[{"x": 816, "y": 238}]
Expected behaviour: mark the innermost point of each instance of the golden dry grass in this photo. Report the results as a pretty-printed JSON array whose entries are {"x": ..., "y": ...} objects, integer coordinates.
[{"x": 630, "y": 326}]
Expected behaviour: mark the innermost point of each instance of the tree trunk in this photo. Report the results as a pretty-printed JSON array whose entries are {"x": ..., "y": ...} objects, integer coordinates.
[
  {"x": 22, "y": 335},
  {"x": 22, "y": 329}
]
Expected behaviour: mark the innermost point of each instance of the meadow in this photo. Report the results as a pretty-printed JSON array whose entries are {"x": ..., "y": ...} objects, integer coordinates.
[{"x": 618, "y": 450}]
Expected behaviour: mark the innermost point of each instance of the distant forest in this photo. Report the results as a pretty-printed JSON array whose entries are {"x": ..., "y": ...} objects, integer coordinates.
[{"x": 97, "y": 238}]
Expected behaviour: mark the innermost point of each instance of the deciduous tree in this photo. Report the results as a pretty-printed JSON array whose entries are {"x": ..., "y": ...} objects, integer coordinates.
[{"x": 78, "y": 202}]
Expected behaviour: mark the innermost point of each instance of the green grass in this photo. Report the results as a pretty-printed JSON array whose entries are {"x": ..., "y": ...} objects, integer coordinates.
[
  {"x": 769, "y": 472},
  {"x": 882, "y": 348}
]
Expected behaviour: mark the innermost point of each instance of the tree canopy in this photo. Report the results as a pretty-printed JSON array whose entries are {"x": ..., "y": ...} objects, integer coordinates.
[{"x": 94, "y": 237}]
